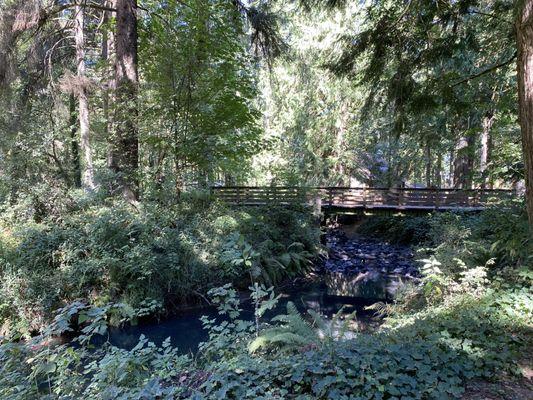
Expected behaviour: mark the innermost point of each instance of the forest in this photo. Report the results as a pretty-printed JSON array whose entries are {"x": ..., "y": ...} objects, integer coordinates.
[{"x": 266, "y": 199}]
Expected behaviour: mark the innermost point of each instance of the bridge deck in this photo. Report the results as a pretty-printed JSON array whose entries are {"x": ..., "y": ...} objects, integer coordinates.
[{"x": 400, "y": 199}]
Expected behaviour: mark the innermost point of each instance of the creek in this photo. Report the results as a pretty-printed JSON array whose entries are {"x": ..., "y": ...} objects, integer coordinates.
[{"x": 358, "y": 272}]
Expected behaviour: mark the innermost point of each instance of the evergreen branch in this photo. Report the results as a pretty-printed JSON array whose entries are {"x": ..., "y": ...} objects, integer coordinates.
[
  {"x": 490, "y": 16},
  {"x": 88, "y": 5},
  {"x": 404, "y": 12},
  {"x": 486, "y": 71}
]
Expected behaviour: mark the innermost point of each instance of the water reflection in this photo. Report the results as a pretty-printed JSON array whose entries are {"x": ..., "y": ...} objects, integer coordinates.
[{"x": 186, "y": 332}]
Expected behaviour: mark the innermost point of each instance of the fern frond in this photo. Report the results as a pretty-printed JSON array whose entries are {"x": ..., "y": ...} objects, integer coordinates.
[
  {"x": 318, "y": 320},
  {"x": 380, "y": 308},
  {"x": 293, "y": 331}
]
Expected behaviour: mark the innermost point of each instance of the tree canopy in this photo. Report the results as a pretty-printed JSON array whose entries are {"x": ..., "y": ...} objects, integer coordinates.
[{"x": 165, "y": 96}]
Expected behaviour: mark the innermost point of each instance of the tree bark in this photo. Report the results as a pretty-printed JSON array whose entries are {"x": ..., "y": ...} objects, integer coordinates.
[
  {"x": 464, "y": 157},
  {"x": 74, "y": 144},
  {"x": 460, "y": 168},
  {"x": 107, "y": 51},
  {"x": 451, "y": 164},
  {"x": 125, "y": 140},
  {"x": 438, "y": 170},
  {"x": 486, "y": 144},
  {"x": 524, "y": 39},
  {"x": 428, "y": 164},
  {"x": 83, "y": 103}
]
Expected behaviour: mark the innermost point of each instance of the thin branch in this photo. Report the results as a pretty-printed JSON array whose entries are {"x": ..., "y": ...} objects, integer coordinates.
[
  {"x": 46, "y": 15},
  {"x": 486, "y": 71},
  {"x": 490, "y": 16},
  {"x": 163, "y": 19},
  {"x": 404, "y": 12}
]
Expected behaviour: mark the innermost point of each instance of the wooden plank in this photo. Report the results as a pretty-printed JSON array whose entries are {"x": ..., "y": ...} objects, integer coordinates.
[{"x": 346, "y": 197}]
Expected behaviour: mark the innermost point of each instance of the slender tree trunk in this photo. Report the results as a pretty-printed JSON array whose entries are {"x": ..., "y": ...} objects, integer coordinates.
[
  {"x": 470, "y": 139},
  {"x": 486, "y": 144},
  {"x": 17, "y": 161},
  {"x": 451, "y": 165},
  {"x": 428, "y": 164},
  {"x": 125, "y": 143},
  {"x": 339, "y": 143},
  {"x": 524, "y": 38},
  {"x": 83, "y": 103},
  {"x": 74, "y": 143},
  {"x": 438, "y": 170}
]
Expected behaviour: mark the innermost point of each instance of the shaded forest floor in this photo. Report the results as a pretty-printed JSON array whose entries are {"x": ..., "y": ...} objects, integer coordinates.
[{"x": 505, "y": 387}]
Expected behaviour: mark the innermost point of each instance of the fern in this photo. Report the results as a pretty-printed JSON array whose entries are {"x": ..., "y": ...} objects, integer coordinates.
[
  {"x": 381, "y": 309},
  {"x": 294, "y": 331},
  {"x": 337, "y": 328}
]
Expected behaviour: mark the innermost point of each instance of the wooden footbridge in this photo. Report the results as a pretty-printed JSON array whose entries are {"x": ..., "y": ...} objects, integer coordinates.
[{"x": 361, "y": 198}]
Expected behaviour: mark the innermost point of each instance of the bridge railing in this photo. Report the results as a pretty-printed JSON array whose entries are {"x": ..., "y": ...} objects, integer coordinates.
[
  {"x": 257, "y": 195},
  {"x": 361, "y": 197}
]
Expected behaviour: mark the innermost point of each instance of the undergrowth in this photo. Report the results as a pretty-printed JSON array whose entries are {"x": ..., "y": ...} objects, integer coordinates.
[
  {"x": 468, "y": 318},
  {"x": 111, "y": 252}
]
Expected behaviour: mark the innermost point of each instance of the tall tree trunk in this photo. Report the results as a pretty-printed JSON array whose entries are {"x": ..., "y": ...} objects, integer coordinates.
[
  {"x": 342, "y": 124},
  {"x": 451, "y": 165},
  {"x": 74, "y": 143},
  {"x": 83, "y": 103},
  {"x": 428, "y": 164},
  {"x": 107, "y": 55},
  {"x": 460, "y": 168},
  {"x": 486, "y": 144},
  {"x": 524, "y": 39},
  {"x": 125, "y": 140},
  {"x": 438, "y": 170},
  {"x": 17, "y": 125},
  {"x": 470, "y": 139},
  {"x": 464, "y": 160}
]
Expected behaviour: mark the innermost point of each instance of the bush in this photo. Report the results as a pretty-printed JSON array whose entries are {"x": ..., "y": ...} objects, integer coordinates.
[
  {"x": 498, "y": 235},
  {"x": 113, "y": 252},
  {"x": 426, "y": 355}
]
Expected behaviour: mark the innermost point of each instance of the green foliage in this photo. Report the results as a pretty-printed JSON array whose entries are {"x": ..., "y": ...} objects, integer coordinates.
[
  {"x": 199, "y": 90},
  {"x": 143, "y": 257},
  {"x": 292, "y": 331},
  {"x": 274, "y": 255},
  {"x": 498, "y": 235},
  {"x": 426, "y": 354},
  {"x": 51, "y": 370},
  {"x": 398, "y": 229}
]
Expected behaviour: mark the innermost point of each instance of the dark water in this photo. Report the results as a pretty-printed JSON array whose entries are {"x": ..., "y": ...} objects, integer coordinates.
[
  {"x": 186, "y": 332},
  {"x": 360, "y": 271}
]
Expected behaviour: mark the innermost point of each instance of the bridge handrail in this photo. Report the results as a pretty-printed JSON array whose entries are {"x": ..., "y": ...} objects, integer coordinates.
[
  {"x": 362, "y": 197},
  {"x": 362, "y": 188}
]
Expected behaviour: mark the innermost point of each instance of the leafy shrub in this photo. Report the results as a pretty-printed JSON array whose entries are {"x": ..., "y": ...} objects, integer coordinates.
[
  {"x": 113, "y": 252},
  {"x": 498, "y": 235},
  {"x": 426, "y": 355},
  {"x": 429, "y": 354}
]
